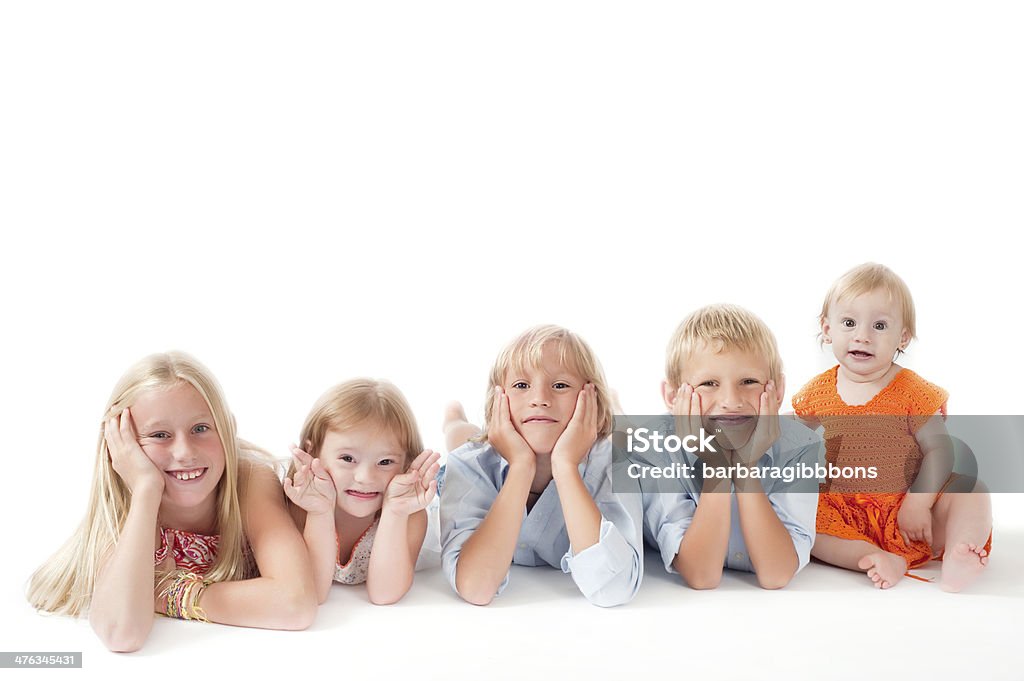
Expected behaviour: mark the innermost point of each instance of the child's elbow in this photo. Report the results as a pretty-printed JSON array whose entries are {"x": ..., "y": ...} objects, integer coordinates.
[
  {"x": 477, "y": 592},
  {"x": 379, "y": 597},
  {"x": 121, "y": 639},
  {"x": 604, "y": 599},
  {"x": 703, "y": 582},
  {"x": 775, "y": 580},
  {"x": 476, "y": 597},
  {"x": 297, "y": 611}
]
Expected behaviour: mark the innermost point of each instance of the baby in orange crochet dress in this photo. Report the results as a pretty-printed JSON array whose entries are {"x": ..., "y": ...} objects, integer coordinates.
[{"x": 877, "y": 413}]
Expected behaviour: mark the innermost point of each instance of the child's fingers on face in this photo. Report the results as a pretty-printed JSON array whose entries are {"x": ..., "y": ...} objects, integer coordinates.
[
  {"x": 319, "y": 470},
  {"x": 432, "y": 472},
  {"x": 300, "y": 455},
  {"x": 110, "y": 433},
  {"x": 497, "y": 406}
]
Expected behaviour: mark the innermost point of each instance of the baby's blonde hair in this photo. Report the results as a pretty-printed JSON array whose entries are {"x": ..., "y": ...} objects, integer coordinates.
[
  {"x": 717, "y": 328},
  {"x": 573, "y": 353},
  {"x": 865, "y": 279},
  {"x": 64, "y": 584},
  {"x": 358, "y": 403}
]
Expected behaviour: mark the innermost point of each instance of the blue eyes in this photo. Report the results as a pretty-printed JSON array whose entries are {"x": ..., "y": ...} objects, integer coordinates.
[{"x": 164, "y": 435}]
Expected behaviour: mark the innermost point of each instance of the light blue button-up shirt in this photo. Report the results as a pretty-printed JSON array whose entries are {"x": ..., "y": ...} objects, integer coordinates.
[
  {"x": 607, "y": 573},
  {"x": 669, "y": 505}
]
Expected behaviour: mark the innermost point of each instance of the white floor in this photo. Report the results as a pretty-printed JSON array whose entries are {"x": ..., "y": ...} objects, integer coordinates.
[{"x": 827, "y": 624}]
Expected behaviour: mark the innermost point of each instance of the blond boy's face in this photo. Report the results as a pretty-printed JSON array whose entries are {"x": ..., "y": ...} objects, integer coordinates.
[
  {"x": 542, "y": 400},
  {"x": 865, "y": 331},
  {"x": 729, "y": 384}
]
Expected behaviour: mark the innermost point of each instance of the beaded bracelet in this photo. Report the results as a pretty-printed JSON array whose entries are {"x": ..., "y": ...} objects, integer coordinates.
[{"x": 183, "y": 596}]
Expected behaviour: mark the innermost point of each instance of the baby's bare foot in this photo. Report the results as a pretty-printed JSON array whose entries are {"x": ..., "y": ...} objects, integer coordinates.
[
  {"x": 884, "y": 569},
  {"x": 962, "y": 565},
  {"x": 454, "y": 415}
]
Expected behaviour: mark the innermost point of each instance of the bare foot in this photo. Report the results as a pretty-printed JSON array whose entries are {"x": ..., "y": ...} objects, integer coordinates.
[
  {"x": 457, "y": 430},
  {"x": 884, "y": 569},
  {"x": 454, "y": 415},
  {"x": 962, "y": 565}
]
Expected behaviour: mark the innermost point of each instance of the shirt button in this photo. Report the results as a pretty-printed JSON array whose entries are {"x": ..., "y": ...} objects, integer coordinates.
[{"x": 737, "y": 556}]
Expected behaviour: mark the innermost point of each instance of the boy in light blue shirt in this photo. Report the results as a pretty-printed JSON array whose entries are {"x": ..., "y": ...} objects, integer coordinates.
[
  {"x": 745, "y": 506},
  {"x": 535, "y": 488}
]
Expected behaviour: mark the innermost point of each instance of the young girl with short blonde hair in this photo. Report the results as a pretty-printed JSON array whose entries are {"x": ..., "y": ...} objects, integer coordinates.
[
  {"x": 876, "y": 412},
  {"x": 360, "y": 487}
]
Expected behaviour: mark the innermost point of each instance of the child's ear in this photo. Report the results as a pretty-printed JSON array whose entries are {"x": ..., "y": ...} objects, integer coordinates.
[
  {"x": 826, "y": 332},
  {"x": 668, "y": 393},
  {"x": 904, "y": 340}
]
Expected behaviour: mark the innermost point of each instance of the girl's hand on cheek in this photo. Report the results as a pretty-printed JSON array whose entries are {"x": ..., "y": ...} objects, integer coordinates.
[
  {"x": 579, "y": 436},
  {"x": 504, "y": 437},
  {"x": 312, "y": 489},
  {"x": 413, "y": 490},
  {"x": 129, "y": 461}
]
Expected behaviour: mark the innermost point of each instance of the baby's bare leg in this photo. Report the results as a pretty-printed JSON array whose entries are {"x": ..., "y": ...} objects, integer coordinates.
[
  {"x": 457, "y": 429},
  {"x": 962, "y": 522},
  {"x": 884, "y": 569}
]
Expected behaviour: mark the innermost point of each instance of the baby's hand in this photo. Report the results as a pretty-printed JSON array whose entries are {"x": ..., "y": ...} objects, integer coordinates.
[
  {"x": 413, "y": 490},
  {"x": 914, "y": 519},
  {"x": 502, "y": 434},
  {"x": 313, "y": 489},
  {"x": 579, "y": 435},
  {"x": 127, "y": 457}
]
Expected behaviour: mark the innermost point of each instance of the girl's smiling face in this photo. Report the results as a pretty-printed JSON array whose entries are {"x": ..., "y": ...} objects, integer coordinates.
[
  {"x": 542, "y": 399},
  {"x": 177, "y": 432},
  {"x": 362, "y": 462},
  {"x": 865, "y": 333}
]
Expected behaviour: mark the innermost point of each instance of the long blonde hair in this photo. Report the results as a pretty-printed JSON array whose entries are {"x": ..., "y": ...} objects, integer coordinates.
[{"x": 64, "y": 584}]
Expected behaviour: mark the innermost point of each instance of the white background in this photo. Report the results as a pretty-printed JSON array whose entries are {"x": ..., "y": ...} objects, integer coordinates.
[{"x": 299, "y": 193}]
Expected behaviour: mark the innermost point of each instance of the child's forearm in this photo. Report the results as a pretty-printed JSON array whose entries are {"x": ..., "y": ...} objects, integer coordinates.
[
  {"x": 582, "y": 517},
  {"x": 702, "y": 550},
  {"x": 321, "y": 539},
  {"x": 486, "y": 556},
  {"x": 768, "y": 542},
  {"x": 263, "y": 603},
  {"x": 121, "y": 609},
  {"x": 392, "y": 564}
]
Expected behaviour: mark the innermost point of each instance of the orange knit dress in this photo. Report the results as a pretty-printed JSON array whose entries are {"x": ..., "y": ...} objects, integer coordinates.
[{"x": 867, "y": 509}]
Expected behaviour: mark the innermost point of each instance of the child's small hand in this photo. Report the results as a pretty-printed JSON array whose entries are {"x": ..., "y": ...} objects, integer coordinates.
[
  {"x": 313, "y": 489},
  {"x": 914, "y": 519},
  {"x": 767, "y": 429},
  {"x": 581, "y": 432},
  {"x": 688, "y": 410},
  {"x": 413, "y": 490},
  {"x": 502, "y": 434},
  {"x": 127, "y": 457}
]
